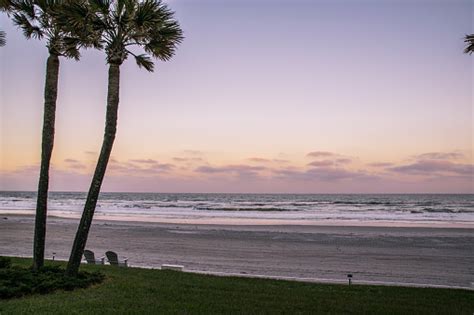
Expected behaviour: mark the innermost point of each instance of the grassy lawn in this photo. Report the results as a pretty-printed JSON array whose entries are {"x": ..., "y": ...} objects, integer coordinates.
[{"x": 144, "y": 291}]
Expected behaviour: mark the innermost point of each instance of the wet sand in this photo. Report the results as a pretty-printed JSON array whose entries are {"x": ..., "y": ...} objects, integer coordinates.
[{"x": 418, "y": 255}]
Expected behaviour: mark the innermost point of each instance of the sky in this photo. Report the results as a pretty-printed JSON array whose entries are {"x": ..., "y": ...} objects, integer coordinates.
[{"x": 262, "y": 96}]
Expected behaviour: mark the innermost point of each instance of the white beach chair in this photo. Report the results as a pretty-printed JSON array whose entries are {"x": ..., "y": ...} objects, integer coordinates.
[
  {"x": 112, "y": 257},
  {"x": 90, "y": 258},
  {"x": 172, "y": 267}
]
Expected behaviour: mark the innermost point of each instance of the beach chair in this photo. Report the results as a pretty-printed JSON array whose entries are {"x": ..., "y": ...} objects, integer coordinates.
[
  {"x": 112, "y": 257},
  {"x": 90, "y": 258}
]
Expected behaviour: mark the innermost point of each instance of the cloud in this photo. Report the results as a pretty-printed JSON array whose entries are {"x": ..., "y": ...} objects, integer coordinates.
[
  {"x": 258, "y": 160},
  {"x": 436, "y": 164},
  {"x": 320, "y": 154},
  {"x": 233, "y": 170},
  {"x": 334, "y": 162},
  {"x": 343, "y": 161},
  {"x": 162, "y": 166},
  {"x": 90, "y": 152},
  {"x": 144, "y": 161},
  {"x": 327, "y": 166},
  {"x": 281, "y": 161},
  {"x": 321, "y": 163},
  {"x": 325, "y": 174},
  {"x": 75, "y": 164},
  {"x": 26, "y": 170},
  {"x": 229, "y": 168},
  {"x": 434, "y": 167},
  {"x": 187, "y": 159},
  {"x": 335, "y": 174},
  {"x": 380, "y": 164},
  {"x": 209, "y": 169},
  {"x": 140, "y": 167},
  {"x": 324, "y": 158},
  {"x": 439, "y": 156},
  {"x": 267, "y": 161},
  {"x": 32, "y": 171}
]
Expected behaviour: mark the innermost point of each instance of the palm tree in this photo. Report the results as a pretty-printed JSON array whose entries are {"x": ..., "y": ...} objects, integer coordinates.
[
  {"x": 38, "y": 19},
  {"x": 147, "y": 24},
  {"x": 469, "y": 40}
]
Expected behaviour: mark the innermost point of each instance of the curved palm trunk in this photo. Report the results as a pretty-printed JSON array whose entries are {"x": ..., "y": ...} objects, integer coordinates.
[
  {"x": 50, "y": 96},
  {"x": 94, "y": 190}
]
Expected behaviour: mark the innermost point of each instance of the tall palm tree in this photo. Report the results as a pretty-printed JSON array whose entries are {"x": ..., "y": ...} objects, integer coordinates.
[
  {"x": 38, "y": 19},
  {"x": 469, "y": 40},
  {"x": 147, "y": 24}
]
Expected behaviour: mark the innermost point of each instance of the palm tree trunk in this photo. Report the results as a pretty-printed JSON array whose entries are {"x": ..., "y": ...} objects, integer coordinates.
[
  {"x": 94, "y": 190},
  {"x": 50, "y": 96}
]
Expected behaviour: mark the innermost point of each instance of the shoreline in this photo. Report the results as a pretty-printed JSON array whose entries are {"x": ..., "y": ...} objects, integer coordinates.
[
  {"x": 337, "y": 226},
  {"x": 255, "y": 221}
]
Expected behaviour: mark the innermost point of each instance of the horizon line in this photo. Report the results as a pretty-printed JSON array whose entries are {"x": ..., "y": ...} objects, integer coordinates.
[{"x": 247, "y": 193}]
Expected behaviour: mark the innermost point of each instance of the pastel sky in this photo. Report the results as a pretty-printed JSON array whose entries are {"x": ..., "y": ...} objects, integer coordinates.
[{"x": 320, "y": 96}]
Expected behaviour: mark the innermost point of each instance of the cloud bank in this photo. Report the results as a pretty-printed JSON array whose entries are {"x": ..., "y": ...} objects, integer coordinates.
[{"x": 326, "y": 172}]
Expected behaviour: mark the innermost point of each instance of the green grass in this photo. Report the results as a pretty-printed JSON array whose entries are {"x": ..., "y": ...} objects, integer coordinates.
[{"x": 142, "y": 291}]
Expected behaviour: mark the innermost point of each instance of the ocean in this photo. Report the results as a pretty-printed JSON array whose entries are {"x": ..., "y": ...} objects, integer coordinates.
[{"x": 430, "y": 209}]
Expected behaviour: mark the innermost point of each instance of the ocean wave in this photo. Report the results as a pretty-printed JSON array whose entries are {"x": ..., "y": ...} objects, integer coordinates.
[
  {"x": 367, "y": 207},
  {"x": 446, "y": 210},
  {"x": 241, "y": 209},
  {"x": 372, "y": 203}
]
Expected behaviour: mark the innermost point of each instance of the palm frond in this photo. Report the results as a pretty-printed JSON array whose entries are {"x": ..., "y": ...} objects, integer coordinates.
[
  {"x": 165, "y": 41},
  {"x": 29, "y": 30},
  {"x": 114, "y": 25},
  {"x": 70, "y": 47},
  {"x": 146, "y": 13},
  {"x": 46, "y": 5},
  {"x": 469, "y": 40},
  {"x": 25, "y": 7},
  {"x": 80, "y": 24},
  {"x": 40, "y": 19},
  {"x": 156, "y": 30},
  {"x": 5, "y": 5},
  {"x": 145, "y": 62},
  {"x": 102, "y": 6},
  {"x": 72, "y": 52}
]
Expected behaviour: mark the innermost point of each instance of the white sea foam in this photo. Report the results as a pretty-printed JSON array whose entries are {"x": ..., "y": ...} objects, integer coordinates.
[{"x": 425, "y": 209}]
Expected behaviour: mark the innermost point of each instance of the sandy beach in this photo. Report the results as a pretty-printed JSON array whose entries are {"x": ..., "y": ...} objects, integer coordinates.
[{"x": 417, "y": 255}]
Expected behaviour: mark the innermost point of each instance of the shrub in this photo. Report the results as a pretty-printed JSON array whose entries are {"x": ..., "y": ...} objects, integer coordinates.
[
  {"x": 5, "y": 262},
  {"x": 16, "y": 281}
]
